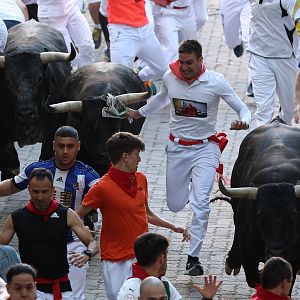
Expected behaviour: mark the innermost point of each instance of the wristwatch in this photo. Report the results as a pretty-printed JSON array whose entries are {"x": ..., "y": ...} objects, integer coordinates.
[{"x": 87, "y": 252}]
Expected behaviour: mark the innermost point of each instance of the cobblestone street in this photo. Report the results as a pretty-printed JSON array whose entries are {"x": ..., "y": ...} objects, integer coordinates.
[{"x": 155, "y": 134}]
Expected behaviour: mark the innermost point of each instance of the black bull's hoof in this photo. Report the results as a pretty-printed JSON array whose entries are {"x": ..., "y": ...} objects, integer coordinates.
[{"x": 228, "y": 269}]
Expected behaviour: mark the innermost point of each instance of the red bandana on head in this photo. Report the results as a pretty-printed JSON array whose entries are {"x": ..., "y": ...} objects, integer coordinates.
[
  {"x": 125, "y": 180},
  {"x": 175, "y": 69},
  {"x": 47, "y": 213}
]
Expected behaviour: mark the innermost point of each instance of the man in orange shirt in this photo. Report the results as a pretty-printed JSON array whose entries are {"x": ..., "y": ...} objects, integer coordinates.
[
  {"x": 132, "y": 35},
  {"x": 122, "y": 197}
]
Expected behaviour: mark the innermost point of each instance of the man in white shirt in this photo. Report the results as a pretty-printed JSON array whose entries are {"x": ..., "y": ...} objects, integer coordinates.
[
  {"x": 273, "y": 66},
  {"x": 151, "y": 254},
  {"x": 193, "y": 149}
]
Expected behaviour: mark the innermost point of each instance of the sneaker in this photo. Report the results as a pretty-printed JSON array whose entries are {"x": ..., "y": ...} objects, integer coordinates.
[
  {"x": 193, "y": 267},
  {"x": 249, "y": 91},
  {"x": 97, "y": 37},
  {"x": 239, "y": 50},
  {"x": 150, "y": 85}
]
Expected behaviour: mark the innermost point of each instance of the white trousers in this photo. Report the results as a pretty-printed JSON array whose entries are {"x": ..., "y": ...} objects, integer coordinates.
[
  {"x": 114, "y": 274},
  {"x": 200, "y": 11},
  {"x": 46, "y": 296},
  {"x": 271, "y": 76},
  {"x": 236, "y": 16},
  {"x": 127, "y": 42},
  {"x": 77, "y": 276},
  {"x": 75, "y": 27},
  {"x": 190, "y": 176},
  {"x": 172, "y": 26}
]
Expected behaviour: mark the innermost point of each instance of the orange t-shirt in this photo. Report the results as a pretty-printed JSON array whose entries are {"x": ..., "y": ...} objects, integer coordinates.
[
  {"x": 123, "y": 218},
  {"x": 127, "y": 12}
]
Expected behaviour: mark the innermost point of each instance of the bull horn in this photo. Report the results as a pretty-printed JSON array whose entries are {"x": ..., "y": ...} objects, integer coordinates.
[
  {"x": 2, "y": 61},
  {"x": 297, "y": 190},
  {"x": 69, "y": 106},
  {"x": 132, "y": 98},
  {"x": 242, "y": 192},
  {"x": 53, "y": 57}
]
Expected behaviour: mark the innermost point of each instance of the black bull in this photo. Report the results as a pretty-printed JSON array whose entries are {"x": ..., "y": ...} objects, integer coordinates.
[
  {"x": 89, "y": 85},
  {"x": 35, "y": 64},
  {"x": 266, "y": 203}
]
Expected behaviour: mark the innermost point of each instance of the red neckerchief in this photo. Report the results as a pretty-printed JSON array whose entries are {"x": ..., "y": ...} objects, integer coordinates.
[
  {"x": 138, "y": 272},
  {"x": 55, "y": 285},
  {"x": 125, "y": 180},
  {"x": 47, "y": 213},
  {"x": 175, "y": 69},
  {"x": 262, "y": 293}
]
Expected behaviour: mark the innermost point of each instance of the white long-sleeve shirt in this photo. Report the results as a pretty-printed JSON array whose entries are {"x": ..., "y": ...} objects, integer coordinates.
[{"x": 194, "y": 107}]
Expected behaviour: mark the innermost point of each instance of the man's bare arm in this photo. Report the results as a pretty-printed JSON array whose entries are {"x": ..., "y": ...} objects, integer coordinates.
[
  {"x": 8, "y": 188},
  {"x": 8, "y": 231},
  {"x": 84, "y": 234}
]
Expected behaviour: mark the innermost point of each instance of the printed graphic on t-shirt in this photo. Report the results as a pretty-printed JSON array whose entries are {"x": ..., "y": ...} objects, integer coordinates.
[{"x": 189, "y": 108}]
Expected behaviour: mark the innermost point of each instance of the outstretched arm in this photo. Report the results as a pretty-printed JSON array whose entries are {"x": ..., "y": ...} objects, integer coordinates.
[
  {"x": 157, "y": 103},
  {"x": 8, "y": 188},
  {"x": 210, "y": 288},
  {"x": 154, "y": 219}
]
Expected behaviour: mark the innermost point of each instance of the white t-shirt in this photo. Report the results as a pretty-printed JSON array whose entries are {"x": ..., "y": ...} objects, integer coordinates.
[
  {"x": 55, "y": 8},
  {"x": 10, "y": 10}
]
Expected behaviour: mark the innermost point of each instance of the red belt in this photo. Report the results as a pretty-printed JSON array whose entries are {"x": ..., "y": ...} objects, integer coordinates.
[
  {"x": 55, "y": 285},
  {"x": 212, "y": 138},
  {"x": 220, "y": 138}
]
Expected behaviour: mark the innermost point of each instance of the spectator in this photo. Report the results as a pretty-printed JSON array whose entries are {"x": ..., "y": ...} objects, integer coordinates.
[
  {"x": 276, "y": 280},
  {"x": 21, "y": 282},
  {"x": 151, "y": 252},
  {"x": 13, "y": 12},
  {"x": 72, "y": 180},
  {"x": 193, "y": 149},
  {"x": 122, "y": 196},
  {"x": 41, "y": 228}
]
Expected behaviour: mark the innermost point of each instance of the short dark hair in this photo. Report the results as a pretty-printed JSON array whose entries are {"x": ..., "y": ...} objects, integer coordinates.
[
  {"x": 189, "y": 46},
  {"x": 66, "y": 131},
  {"x": 123, "y": 142},
  {"x": 20, "y": 268},
  {"x": 275, "y": 270},
  {"x": 148, "y": 247},
  {"x": 40, "y": 174}
]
